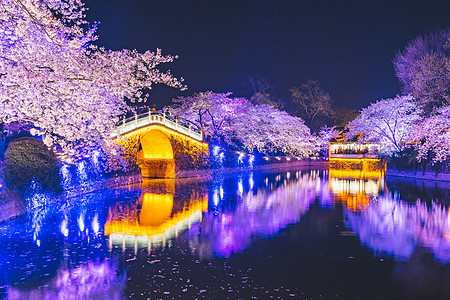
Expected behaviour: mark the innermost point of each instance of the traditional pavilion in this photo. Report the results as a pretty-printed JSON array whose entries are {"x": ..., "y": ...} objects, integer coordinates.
[
  {"x": 356, "y": 173},
  {"x": 352, "y": 155}
]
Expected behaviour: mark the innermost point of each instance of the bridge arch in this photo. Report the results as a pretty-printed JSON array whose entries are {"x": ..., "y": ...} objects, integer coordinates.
[
  {"x": 156, "y": 158},
  {"x": 156, "y": 145}
]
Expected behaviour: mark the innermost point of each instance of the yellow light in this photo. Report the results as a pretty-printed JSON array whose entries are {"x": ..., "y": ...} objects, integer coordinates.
[
  {"x": 355, "y": 159},
  {"x": 162, "y": 149},
  {"x": 364, "y": 165},
  {"x": 156, "y": 144},
  {"x": 156, "y": 220},
  {"x": 164, "y": 129},
  {"x": 348, "y": 173},
  {"x": 156, "y": 209}
]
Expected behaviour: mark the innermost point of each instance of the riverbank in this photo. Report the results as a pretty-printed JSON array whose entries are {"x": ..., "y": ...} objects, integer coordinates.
[
  {"x": 127, "y": 180},
  {"x": 320, "y": 164},
  {"x": 11, "y": 206},
  {"x": 418, "y": 175}
]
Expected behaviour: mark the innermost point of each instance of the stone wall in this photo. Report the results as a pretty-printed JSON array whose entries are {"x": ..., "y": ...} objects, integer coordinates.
[
  {"x": 419, "y": 175},
  {"x": 320, "y": 164}
]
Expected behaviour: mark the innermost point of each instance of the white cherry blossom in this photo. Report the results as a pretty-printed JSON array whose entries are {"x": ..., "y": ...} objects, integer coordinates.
[{"x": 53, "y": 77}]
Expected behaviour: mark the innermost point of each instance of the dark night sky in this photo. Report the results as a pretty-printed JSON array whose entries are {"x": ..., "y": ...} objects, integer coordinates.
[{"x": 347, "y": 46}]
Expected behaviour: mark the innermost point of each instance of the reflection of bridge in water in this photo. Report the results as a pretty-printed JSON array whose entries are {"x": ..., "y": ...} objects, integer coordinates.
[
  {"x": 356, "y": 174},
  {"x": 159, "y": 216},
  {"x": 154, "y": 219},
  {"x": 155, "y": 138}
]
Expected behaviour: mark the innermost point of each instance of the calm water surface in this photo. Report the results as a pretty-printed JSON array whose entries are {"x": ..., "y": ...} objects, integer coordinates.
[{"x": 302, "y": 234}]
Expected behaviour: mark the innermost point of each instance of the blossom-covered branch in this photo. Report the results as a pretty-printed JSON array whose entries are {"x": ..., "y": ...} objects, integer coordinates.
[
  {"x": 387, "y": 122},
  {"x": 55, "y": 78},
  {"x": 431, "y": 137},
  {"x": 240, "y": 123}
]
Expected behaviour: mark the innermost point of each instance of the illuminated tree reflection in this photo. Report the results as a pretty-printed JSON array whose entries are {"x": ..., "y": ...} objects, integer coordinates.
[
  {"x": 259, "y": 213},
  {"x": 90, "y": 281},
  {"x": 396, "y": 228}
]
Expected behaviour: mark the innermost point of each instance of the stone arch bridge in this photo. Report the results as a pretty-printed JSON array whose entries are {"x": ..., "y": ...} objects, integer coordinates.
[{"x": 160, "y": 144}]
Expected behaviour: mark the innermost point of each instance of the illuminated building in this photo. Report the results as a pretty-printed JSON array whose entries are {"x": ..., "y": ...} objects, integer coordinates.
[
  {"x": 356, "y": 174},
  {"x": 351, "y": 155}
]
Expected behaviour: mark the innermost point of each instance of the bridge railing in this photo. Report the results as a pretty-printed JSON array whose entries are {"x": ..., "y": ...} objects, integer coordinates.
[{"x": 154, "y": 117}]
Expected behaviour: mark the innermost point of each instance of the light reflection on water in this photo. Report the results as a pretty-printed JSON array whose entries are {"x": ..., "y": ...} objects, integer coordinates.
[
  {"x": 387, "y": 224},
  {"x": 393, "y": 227},
  {"x": 259, "y": 213},
  {"x": 90, "y": 281},
  {"x": 156, "y": 239},
  {"x": 155, "y": 223}
]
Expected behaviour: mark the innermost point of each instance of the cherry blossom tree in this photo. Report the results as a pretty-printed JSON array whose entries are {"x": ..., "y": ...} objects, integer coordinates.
[
  {"x": 240, "y": 123},
  {"x": 387, "y": 122},
  {"x": 205, "y": 110},
  {"x": 431, "y": 137},
  {"x": 266, "y": 128},
  {"x": 325, "y": 135},
  {"x": 53, "y": 76},
  {"x": 423, "y": 69}
]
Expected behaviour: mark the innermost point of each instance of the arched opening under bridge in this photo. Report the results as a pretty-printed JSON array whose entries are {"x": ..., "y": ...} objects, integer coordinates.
[{"x": 156, "y": 158}]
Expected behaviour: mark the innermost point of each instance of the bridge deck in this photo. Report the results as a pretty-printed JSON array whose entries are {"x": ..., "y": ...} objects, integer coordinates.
[{"x": 149, "y": 118}]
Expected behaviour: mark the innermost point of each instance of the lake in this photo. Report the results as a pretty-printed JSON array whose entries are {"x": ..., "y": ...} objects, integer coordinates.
[{"x": 295, "y": 234}]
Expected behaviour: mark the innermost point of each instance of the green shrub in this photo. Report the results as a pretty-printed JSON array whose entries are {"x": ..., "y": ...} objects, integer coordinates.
[{"x": 28, "y": 159}]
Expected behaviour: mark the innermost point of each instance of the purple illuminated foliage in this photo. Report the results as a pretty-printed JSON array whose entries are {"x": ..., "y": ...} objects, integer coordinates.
[
  {"x": 91, "y": 281},
  {"x": 259, "y": 213},
  {"x": 423, "y": 69},
  {"x": 393, "y": 227},
  {"x": 387, "y": 122},
  {"x": 239, "y": 123}
]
